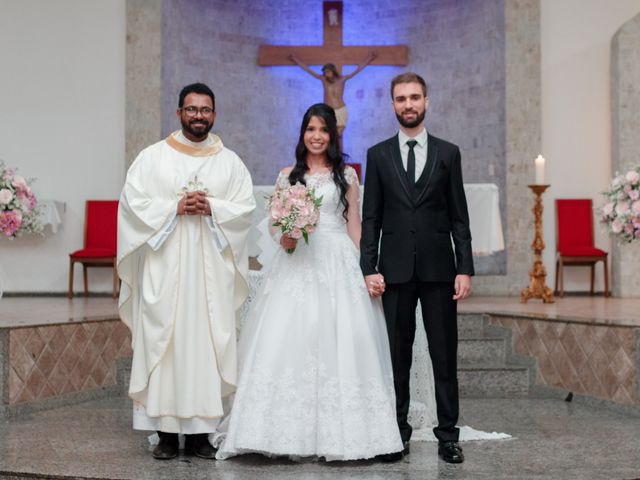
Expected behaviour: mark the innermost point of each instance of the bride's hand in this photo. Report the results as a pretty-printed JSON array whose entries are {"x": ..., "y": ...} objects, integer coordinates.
[
  {"x": 287, "y": 242},
  {"x": 375, "y": 284}
]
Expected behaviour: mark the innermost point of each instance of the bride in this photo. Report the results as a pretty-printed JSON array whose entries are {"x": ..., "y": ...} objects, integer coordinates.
[{"x": 315, "y": 369}]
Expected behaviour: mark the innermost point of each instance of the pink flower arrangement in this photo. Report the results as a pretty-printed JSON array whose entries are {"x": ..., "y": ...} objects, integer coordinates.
[
  {"x": 296, "y": 210},
  {"x": 621, "y": 212},
  {"x": 19, "y": 211}
]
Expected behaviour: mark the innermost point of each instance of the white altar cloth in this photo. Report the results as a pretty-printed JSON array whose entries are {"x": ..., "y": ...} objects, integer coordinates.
[{"x": 483, "y": 202}]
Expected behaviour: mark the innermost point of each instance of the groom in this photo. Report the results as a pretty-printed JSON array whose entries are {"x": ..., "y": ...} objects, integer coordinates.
[{"x": 414, "y": 204}]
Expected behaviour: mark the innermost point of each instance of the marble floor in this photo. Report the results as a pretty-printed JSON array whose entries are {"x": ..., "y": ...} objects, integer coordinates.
[{"x": 552, "y": 439}]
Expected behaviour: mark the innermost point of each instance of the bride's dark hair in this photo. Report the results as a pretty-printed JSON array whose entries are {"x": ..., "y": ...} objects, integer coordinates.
[{"x": 335, "y": 158}]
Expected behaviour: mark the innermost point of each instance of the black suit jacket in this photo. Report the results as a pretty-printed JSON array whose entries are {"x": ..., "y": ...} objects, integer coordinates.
[{"x": 416, "y": 225}]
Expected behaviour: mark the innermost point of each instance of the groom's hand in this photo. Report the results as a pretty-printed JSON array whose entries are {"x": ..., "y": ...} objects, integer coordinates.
[
  {"x": 462, "y": 286},
  {"x": 375, "y": 284}
]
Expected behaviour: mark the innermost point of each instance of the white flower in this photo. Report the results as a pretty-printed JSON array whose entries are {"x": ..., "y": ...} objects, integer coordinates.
[
  {"x": 5, "y": 196},
  {"x": 617, "y": 225},
  {"x": 608, "y": 209},
  {"x": 632, "y": 177},
  {"x": 622, "y": 208}
]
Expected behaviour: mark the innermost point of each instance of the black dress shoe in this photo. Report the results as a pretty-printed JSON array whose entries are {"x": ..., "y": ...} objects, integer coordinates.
[
  {"x": 395, "y": 456},
  {"x": 167, "y": 447},
  {"x": 450, "y": 452},
  {"x": 199, "y": 446}
]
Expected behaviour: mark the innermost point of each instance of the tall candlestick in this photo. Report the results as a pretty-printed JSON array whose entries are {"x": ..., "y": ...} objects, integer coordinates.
[
  {"x": 539, "y": 161},
  {"x": 537, "y": 287}
]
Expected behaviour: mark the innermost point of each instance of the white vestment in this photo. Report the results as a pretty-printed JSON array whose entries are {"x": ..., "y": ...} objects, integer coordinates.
[{"x": 183, "y": 281}]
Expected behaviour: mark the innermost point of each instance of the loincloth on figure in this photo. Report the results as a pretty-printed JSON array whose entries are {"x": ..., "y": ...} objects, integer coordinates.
[{"x": 341, "y": 116}]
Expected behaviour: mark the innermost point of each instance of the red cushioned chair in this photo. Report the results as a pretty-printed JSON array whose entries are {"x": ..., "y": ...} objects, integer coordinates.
[
  {"x": 100, "y": 239},
  {"x": 574, "y": 240}
]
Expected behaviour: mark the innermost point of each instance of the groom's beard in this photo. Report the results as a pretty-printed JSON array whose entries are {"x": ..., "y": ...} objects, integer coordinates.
[{"x": 411, "y": 123}]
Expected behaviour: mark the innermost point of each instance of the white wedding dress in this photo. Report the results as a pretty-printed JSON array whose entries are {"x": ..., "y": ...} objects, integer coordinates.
[{"x": 315, "y": 370}]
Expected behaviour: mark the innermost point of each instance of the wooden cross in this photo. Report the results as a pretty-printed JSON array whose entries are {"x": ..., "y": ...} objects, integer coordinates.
[{"x": 332, "y": 50}]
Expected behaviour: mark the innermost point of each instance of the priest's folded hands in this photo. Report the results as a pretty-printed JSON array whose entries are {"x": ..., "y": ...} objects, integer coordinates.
[{"x": 194, "y": 203}]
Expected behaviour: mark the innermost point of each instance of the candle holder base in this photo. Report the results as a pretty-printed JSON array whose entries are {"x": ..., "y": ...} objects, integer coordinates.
[{"x": 537, "y": 286}]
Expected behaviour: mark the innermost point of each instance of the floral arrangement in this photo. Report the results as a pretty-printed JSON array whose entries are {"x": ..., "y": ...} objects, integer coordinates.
[
  {"x": 296, "y": 210},
  {"x": 19, "y": 212},
  {"x": 621, "y": 213}
]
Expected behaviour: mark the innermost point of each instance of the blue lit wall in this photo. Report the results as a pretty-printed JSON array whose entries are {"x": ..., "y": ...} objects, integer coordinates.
[{"x": 458, "y": 46}]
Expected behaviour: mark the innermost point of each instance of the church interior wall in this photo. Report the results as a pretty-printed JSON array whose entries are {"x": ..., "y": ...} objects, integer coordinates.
[
  {"x": 457, "y": 46},
  {"x": 62, "y": 104},
  {"x": 576, "y": 38},
  {"x": 48, "y": 130}
]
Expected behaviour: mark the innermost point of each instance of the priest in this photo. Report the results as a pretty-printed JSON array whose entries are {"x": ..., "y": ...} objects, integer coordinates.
[{"x": 183, "y": 221}]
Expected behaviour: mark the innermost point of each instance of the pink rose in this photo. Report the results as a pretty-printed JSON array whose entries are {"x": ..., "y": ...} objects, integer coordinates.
[
  {"x": 634, "y": 194},
  {"x": 608, "y": 209},
  {"x": 635, "y": 206},
  {"x": 296, "y": 233},
  {"x": 19, "y": 182},
  {"x": 617, "y": 225},
  {"x": 10, "y": 222},
  {"x": 632, "y": 177},
  {"x": 622, "y": 208},
  {"x": 5, "y": 196}
]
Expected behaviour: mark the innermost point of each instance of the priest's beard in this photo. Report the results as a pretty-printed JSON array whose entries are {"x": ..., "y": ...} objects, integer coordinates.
[
  {"x": 198, "y": 128},
  {"x": 413, "y": 123}
]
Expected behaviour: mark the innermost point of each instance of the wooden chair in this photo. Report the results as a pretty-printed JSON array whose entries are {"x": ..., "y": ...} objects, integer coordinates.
[
  {"x": 574, "y": 241},
  {"x": 100, "y": 240}
]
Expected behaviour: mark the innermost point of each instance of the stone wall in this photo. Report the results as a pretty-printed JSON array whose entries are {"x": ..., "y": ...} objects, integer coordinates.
[
  {"x": 143, "y": 57},
  {"x": 625, "y": 103}
]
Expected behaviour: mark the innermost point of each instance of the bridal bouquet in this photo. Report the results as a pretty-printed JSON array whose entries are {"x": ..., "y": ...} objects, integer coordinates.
[
  {"x": 18, "y": 205},
  {"x": 296, "y": 210},
  {"x": 621, "y": 213}
]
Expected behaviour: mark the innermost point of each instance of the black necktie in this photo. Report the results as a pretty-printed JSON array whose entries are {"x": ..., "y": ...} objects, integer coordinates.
[{"x": 411, "y": 163}]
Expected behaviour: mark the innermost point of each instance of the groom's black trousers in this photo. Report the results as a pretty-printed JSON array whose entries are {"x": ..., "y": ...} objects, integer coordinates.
[{"x": 439, "y": 312}]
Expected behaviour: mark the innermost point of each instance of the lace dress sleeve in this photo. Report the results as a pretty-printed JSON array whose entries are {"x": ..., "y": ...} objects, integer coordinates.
[
  {"x": 351, "y": 176},
  {"x": 282, "y": 181}
]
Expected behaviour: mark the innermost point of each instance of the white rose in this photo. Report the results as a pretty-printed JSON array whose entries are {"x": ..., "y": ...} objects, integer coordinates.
[
  {"x": 632, "y": 177},
  {"x": 5, "y": 196},
  {"x": 622, "y": 208}
]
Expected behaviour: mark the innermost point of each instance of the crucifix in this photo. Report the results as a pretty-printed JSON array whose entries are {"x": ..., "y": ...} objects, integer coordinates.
[{"x": 333, "y": 55}]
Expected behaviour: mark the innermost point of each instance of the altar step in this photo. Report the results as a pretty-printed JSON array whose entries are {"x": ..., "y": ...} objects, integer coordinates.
[{"x": 487, "y": 366}]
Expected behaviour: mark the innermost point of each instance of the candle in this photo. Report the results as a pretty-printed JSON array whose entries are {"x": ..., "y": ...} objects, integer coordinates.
[{"x": 539, "y": 161}]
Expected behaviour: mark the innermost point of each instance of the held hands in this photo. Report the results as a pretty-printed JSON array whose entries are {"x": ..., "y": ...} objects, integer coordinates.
[
  {"x": 462, "y": 286},
  {"x": 375, "y": 284},
  {"x": 288, "y": 243},
  {"x": 194, "y": 203}
]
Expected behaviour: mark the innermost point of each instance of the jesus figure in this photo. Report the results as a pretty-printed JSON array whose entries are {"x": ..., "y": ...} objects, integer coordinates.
[{"x": 333, "y": 84}]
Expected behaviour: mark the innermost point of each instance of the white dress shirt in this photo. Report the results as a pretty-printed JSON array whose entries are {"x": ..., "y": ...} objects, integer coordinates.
[{"x": 420, "y": 150}]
